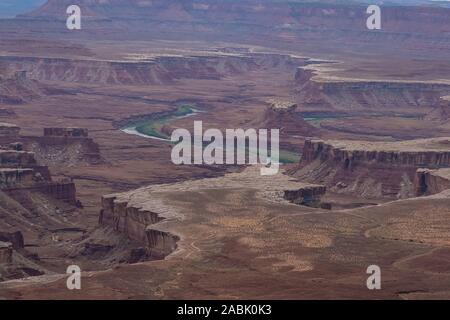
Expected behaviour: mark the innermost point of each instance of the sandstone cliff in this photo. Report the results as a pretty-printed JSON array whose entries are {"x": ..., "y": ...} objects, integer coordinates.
[
  {"x": 57, "y": 147},
  {"x": 138, "y": 225},
  {"x": 139, "y": 70},
  {"x": 283, "y": 115},
  {"x": 441, "y": 113},
  {"x": 16, "y": 87},
  {"x": 366, "y": 96},
  {"x": 145, "y": 215},
  {"x": 5, "y": 252},
  {"x": 429, "y": 182},
  {"x": 371, "y": 169}
]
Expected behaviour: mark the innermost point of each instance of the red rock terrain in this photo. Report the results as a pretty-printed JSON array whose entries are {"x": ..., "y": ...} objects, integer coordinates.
[
  {"x": 17, "y": 88},
  {"x": 371, "y": 169},
  {"x": 362, "y": 108}
]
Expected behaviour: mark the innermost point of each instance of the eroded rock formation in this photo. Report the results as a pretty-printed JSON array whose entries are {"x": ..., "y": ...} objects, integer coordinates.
[
  {"x": 307, "y": 196},
  {"x": 316, "y": 92},
  {"x": 283, "y": 115},
  {"x": 19, "y": 170},
  {"x": 138, "y": 225},
  {"x": 429, "y": 182},
  {"x": 141, "y": 70},
  {"x": 57, "y": 147},
  {"x": 372, "y": 169},
  {"x": 441, "y": 113},
  {"x": 66, "y": 132},
  {"x": 16, "y": 87},
  {"x": 5, "y": 252},
  {"x": 15, "y": 238},
  {"x": 144, "y": 215},
  {"x": 7, "y": 130}
]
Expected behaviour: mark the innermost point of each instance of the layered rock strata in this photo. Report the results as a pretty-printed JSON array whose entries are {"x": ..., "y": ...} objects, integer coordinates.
[
  {"x": 307, "y": 196},
  {"x": 7, "y": 129},
  {"x": 321, "y": 92},
  {"x": 429, "y": 182},
  {"x": 441, "y": 113},
  {"x": 13, "y": 177},
  {"x": 138, "y": 224},
  {"x": 19, "y": 171},
  {"x": 16, "y": 87},
  {"x": 6, "y": 252},
  {"x": 372, "y": 169},
  {"x": 15, "y": 238},
  {"x": 66, "y": 132},
  {"x": 58, "y": 146},
  {"x": 144, "y": 215},
  {"x": 151, "y": 70},
  {"x": 283, "y": 115}
]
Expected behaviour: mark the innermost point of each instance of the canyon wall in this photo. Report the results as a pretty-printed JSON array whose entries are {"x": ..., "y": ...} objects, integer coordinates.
[
  {"x": 371, "y": 170},
  {"x": 13, "y": 177},
  {"x": 7, "y": 130},
  {"x": 155, "y": 70},
  {"x": 284, "y": 116},
  {"x": 66, "y": 132},
  {"x": 143, "y": 215},
  {"x": 15, "y": 238},
  {"x": 62, "y": 191},
  {"x": 349, "y": 158},
  {"x": 138, "y": 225},
  {"x": 429, "y": 182},
  {"x": 287, "y": 15},
  {"x": 16, "y": 158},
  {"x": 308, "y": 196},
  {"x": 305, "y": 26},
  {"x": 21, "y": 172},
  {"x": 6, "y": 252},
  {"x": 57, "y": 147},
  {"x": 16, "y": 87},
  {"x": 365, "y": 96},
  {"x": 441, "y": 112}
]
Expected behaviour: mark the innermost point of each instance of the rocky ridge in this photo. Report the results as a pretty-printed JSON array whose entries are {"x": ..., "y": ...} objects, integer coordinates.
[
  {"x": 371, "y": 169},
  {"x": 143, "y": 214}
]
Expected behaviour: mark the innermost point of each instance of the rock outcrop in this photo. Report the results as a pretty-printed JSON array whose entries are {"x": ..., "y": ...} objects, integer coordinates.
[
  {"x": 344, "y": 95},
  {"x": 66, "y": 132},
  {"x": 15, "y": 238},
  {"x": 432, "y": 153},
  {"x": 144, "y": 215},
  {"x": 152, "y": 70},
  {"x": 441, "y": 113},
  {"x": 6, "y": 252},
  {"x": 372, "y": 169},
  {"x": 7, "y": 113},
  {"x": 308, "y": 196},
  {"x": 9, "y": 158},
  {"x": 284, "y": 15},
  {"x": 429, "y": 182},
  {"x": 16, "y": 87},
  {"x": 283, "y": 115},
  {"x": 57, "y": 147},
  {"x": 139, "y": 225},
  {"x": 16, "y": 177},
  {"x": 8, "y": 130},
  {"x": 19, "y": 171}
]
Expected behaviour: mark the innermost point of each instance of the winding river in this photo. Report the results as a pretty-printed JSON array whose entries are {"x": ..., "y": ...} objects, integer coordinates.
[{"x": 151, "y": 128}]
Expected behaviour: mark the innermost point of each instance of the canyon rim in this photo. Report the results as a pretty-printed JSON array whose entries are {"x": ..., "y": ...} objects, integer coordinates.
[{"x": 355, "y": 121}]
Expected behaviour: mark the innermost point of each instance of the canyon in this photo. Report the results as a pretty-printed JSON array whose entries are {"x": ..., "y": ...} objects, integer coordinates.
[
  {"x": 372, "y": 169},
  {"x": 363, "y": 126}
]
